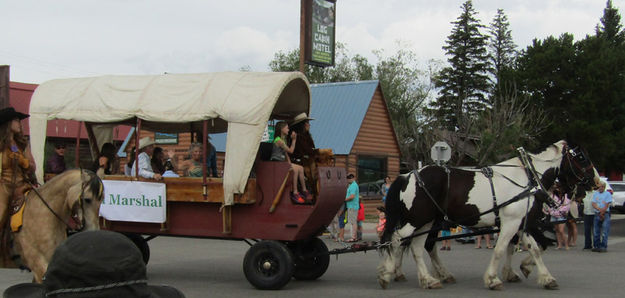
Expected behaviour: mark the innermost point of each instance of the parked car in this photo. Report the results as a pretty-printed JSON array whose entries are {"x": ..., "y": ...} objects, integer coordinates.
[
  {"x": 369, "y": 189},
  {"x": 618, "y": 195}
]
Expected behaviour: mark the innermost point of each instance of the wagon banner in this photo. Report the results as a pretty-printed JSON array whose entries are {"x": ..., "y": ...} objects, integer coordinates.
[{"x": 134, "y": 201}]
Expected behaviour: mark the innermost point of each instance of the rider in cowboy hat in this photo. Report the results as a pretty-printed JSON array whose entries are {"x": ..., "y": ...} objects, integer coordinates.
[
  {"x": 94, "y": 264},
  {"x": 16, "y": 166},
  {"x": 304, "y": 151}
]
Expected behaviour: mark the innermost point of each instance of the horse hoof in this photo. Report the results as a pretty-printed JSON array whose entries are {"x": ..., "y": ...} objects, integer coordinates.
[
  {"x": 552, "y": 285},
  {"x": 435, "y": 285},
  {"x": 496, "y": 286},
  {"x": 400, "y": 278},
  {"x": 449, "y": 280},
  {"x": 383, "y": 283},
  {"x": 514, "y": 278}
]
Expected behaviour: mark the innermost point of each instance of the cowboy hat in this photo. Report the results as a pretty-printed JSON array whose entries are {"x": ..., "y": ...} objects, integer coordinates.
[
  {"x": 8, "y": 114},
  {"x": 94, "y": 264},
  {"x": 299, "y": 118},
  {"x": 145, "y": 141}
]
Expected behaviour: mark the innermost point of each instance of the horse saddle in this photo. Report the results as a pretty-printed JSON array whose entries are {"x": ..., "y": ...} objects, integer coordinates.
[
  {"x": 17, "y": 219},
  {"x": 16, "y": 207}
]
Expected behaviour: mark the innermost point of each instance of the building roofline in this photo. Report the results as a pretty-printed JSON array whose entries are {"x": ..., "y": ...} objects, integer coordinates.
[{"x": 345, "y": 83}]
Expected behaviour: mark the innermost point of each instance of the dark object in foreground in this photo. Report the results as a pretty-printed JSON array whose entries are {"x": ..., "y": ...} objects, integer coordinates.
[{"x": 94, "y": 264}]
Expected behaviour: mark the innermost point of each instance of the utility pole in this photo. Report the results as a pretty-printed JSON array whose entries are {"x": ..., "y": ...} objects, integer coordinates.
[
  {"x": 302, "y": 34},
  {"x": 4, "y": 86}
]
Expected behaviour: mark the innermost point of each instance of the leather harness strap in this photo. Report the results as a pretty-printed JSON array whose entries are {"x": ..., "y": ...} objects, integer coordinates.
[{"x": 488, "y": 172}]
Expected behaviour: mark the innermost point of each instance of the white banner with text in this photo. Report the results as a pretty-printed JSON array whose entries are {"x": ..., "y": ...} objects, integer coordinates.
[{"x": 134, "y": 201}]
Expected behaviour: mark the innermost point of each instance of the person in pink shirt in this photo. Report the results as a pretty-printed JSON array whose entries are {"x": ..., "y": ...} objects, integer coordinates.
[
  {"x": 381, "y": 221},
  {"x": 559, "y": 214}
]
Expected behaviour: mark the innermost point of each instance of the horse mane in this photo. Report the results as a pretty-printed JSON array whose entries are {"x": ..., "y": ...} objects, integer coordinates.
[{"x": 90, "y": 180}]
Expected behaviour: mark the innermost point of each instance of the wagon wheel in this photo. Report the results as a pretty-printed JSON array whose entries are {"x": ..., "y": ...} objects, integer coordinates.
[
  {"x": 311, "y": 259},
  {"x": 268, "y": 265},
  {"x": 141, "y": 244}
]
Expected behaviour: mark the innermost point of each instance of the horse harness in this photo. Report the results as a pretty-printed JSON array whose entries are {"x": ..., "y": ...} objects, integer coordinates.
[{"x": 534, "y": 185}]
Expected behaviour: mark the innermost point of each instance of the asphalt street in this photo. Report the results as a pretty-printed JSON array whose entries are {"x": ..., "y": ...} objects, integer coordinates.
[{"x": 213, "y": 268}]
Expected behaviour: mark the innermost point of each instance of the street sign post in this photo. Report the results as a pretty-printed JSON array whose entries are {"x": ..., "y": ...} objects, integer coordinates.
[{"x": 440, "y": 153}]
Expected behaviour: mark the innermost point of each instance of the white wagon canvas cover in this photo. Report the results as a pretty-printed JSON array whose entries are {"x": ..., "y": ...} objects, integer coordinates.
[{"x": 239, "y": 103}]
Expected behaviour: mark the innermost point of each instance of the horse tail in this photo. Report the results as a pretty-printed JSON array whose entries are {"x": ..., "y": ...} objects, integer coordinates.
[{"x": 394, "y": 206}]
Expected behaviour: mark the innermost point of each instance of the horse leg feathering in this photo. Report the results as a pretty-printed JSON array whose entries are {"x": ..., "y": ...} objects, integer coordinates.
[{"x": 545, "y": 279}]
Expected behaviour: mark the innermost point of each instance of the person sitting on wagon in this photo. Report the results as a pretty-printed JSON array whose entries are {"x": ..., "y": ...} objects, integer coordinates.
[
  {"x": 56, "y": 162},
  {"x": 146, "y": 147},
  {"x": 281, "y": 151},
  {"x": 105, "y": 164},
  {"x": 304, "y": 151},
  {"x": 193, "y": 167},
  {"x": 211, "y": 159},
  {"x": 131, "y": 161},
  {"x": 169, "y": 170},
  {"x": 160, "y": 158}
]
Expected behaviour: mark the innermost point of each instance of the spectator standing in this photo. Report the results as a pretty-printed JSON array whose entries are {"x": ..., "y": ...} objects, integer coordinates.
[
  {"x": 56, "y": 162},
  {"x": 589, "y": 218},
  {"x": 385, "y": 187},
  {"x": 360, "y": 220},
  {"x": 558, "y": 214},
  {"x": 571, "y": 223},
  {"x": 601, "y": 200},
  {"x": 478, "y": 241},
  {"x": 338, "y": 224},
  {"x": 381, "y": 221},
  {"x": 445, "y": 232},
  {"x": 352, "y": 199}
]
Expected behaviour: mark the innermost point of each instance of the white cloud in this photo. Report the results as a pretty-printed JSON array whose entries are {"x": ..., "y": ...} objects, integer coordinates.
[{"x": 51, "y": 39}]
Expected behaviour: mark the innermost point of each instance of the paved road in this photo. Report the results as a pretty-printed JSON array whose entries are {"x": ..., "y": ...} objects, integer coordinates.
[{"x": 212, "y": 268}]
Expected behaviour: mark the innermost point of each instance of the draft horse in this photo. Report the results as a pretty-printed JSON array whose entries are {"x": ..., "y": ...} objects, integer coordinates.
[
  {"x": 70, "y": 200},
  {"x": 418, "y": 201}
]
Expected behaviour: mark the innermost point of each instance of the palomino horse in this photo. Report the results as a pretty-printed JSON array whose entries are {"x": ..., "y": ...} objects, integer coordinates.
[
  {"x": 418, "y": 201},
  {"x": 74, "y": 195}
]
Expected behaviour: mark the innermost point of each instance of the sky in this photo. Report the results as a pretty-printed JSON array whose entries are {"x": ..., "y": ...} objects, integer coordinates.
[{"x": 50, "y": 39}]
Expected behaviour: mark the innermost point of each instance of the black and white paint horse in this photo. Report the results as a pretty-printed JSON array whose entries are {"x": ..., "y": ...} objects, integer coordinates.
[{"x": 418, "y": 201}]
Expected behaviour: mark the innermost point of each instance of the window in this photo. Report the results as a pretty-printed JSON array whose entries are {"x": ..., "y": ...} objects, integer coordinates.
[
  {"x": 371, "y": 173},
  {"x": 371, "y": 169}
]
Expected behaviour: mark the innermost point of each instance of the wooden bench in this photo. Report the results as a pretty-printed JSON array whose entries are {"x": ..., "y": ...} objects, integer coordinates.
[{"x": 190, "y": 189}]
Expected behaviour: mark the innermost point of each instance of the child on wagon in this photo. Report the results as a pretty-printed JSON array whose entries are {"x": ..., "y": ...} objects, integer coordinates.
[{"x": 280, "y": 152}]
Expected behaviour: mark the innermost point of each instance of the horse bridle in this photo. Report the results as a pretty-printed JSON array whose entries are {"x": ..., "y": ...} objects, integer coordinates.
[
  {"x": 574, "y": 156},
  {"x": 81, "y": 225}
]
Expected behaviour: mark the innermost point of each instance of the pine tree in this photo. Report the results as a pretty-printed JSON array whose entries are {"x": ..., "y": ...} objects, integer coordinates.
[
  {"x": 465, "y": 83},
  {"x": 502, "y": 50},
  {"x": 610, "y": 27}
]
